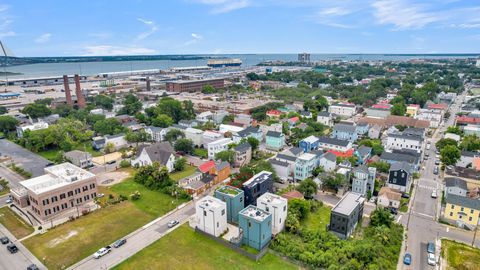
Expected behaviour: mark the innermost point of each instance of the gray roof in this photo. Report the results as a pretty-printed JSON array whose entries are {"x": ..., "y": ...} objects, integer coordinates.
[
  {"x": 318, "y": 153},
  {"x": 348, "y": 203},
  {"x": 401, "y": 166},
  {"x": 296, "y": 150},
  {"x": 470, "y": 154},
  {"x": 108, "y": 137},
  {"x": 463, "y": 201},
  {"x": 158, "y": 152},
  {"x": 177, "y": 126},
  {"x": 324, "y": 114},
  {"x": 361, "y": 168},
  {"x": 274, "y": 134},
  {"x": 364, "y": 150},
  {"x": 305, "y": 113},
  {"x": 407, "y": 136},
  {"x": 278, "y": 162},
  {"x": 455, "y": 182},
  {"x": 242, "y": 147},
  {"x": 286, "y": 157},
  {"x": 76, "y": 154},
  {"x": 247, "y": 131},
  {"x": 333, "y": 141},
  {"x": 345, "y": 128},
  {"x": 154, "y": 128},
  {"x": 330, "y": 156},
  {"x": 222, "y": 165},
  {"x": 398, "y": 157}
]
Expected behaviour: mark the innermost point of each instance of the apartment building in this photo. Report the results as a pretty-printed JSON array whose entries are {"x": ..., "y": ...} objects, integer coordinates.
[
  {"x": 234, "y": 199},
  {"x": 343, "y": 109},
  {"x": 346, "y": 214},
  {"x": 277, "y": 206},
  {"x": 211, "y": 215},
  {"x": 218, "y": 146}
]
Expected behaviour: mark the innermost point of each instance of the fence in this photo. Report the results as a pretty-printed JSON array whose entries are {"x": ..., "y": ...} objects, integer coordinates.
[{"x": 238, "y": 249}]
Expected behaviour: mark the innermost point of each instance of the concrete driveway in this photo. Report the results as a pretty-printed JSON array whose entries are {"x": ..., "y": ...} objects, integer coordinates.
[{"x": 24, "y": 158}]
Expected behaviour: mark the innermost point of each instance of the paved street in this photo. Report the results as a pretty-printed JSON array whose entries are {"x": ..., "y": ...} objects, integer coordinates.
[
  {"x": 12, "y": 177},
  {"x": 23, "y": 158},
  {"x": 20, "y": 260},
  {"x": 137, "y": 241}
]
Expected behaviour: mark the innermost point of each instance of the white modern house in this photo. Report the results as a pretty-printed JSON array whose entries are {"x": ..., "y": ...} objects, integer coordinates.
[
  {"x": 196, "y": 135},
  {"x": 31, "y": 127},
  {"x": 343, "y": 109},
  {"x": 218, "y": 146},
  {"x": 210, "y": 136},
  {"x": 277, "y": 206},
  {"x": 325, "y": 118},
  {"x": 399, "y": 140},
  {"x": 211, "y": 215},
  {"x": 229, "y": 128}
]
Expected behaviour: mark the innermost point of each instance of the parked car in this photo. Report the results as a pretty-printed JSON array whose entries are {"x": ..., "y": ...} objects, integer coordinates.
[
  {"x": 119, "y": 243},
  {"x": 435, "y": 170},
  {"x": 33, "y": 267},
  {"x": 437, "y": 162},
  {"x": 111, "y": 162},
  {"x": 394, "y": 211},
  {"x": 407, "y": 259},
  {"x": 431, "y": 247},
  {"x": 405, "y": 195},
  {"x": 172, "y": 223},
  {"x": 434, "y": 194},
  {"x": 102, "y": 252},
  {"x": 12, "y": 248},
  {"x": 100, "y": 195},
  {"x": 4, "y": 240},
  {"x": 431, "y": 259}
]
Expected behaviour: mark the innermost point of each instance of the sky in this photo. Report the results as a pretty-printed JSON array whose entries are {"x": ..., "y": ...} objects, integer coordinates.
[{"x": 135, "y": 27}]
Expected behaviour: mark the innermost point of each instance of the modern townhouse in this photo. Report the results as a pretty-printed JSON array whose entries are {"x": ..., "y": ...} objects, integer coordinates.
[
  {"x": 277, "y": 206},
  {"x": 308, "y": 144},
  {"x": 404, "y": 140},
  {"x": 346, "y": 214},
  {"x": 328, "y": 162},
  {"x": 304, "y": 166},
  {"x": 218, "y": 146},
  {"x": 364, "y": 180},
  {"x": 274, "y": 140},
  {"x": 234, "y": 199},
  {"x": 256, "y": 186},
  {"x": 326, "y": 143},
  {"x": 256, "y": 227},
  {"x": 211, "y": 215},
  {"x": 243, "y": 154}
]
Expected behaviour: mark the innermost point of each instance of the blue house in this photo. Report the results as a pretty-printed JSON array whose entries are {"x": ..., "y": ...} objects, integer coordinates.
[
  {"x": 274, "y": 140},
  {"x": 308, "y": 144},
  {"x": 256, "y": 186},
  {"x": 345, "y": 132},
  {"x": 256, "y": 227},
  {"x": 234, "y": 198},
  {"x": 363, "y": 153}
]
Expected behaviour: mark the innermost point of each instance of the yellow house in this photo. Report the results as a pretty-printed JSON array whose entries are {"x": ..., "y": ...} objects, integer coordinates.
[
  {"x": 412, "y": 109},
  {"x": 462, "y": 209}
]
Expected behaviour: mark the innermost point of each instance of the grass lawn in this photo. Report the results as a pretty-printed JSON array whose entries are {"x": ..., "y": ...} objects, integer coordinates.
[
  {"x": 73, "y": 241},
  {"x": 189, "y": 170},
  {"x": 185, "y": 249},
  {"x": 318, "y": 220},
  {"x": 4, "y": 191},
  {"x": 404, "y": 205},
  {"x": 15, "y": 224},
  {"x": 460, "y": 256},
  {"x": 200, "y": 152},
  {"x": 52, "y": 154}
]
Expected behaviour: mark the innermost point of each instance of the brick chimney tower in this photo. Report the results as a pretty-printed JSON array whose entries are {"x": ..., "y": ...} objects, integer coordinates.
[
  {"x": 78, "y": 91},
  {"x": 68, "y": 94}
]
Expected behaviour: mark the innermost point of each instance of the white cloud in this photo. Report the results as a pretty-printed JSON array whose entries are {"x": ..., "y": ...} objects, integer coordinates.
[
  {"x": 403, "y": 14},
  {"x": 225, "y": 6},
  {"x": 7, "y": 34},
  {"x": 5, "y": 22},
  {"x": 152, "y": 29},
  {"x": 43, "y": 38},
  {"x": 195, "y": 38},
  {"x": 108, "y": 50}
]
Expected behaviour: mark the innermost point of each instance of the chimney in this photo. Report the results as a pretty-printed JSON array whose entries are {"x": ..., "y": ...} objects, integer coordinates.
[
  {"x": 78, "y": 92},
  {"x": 148, "y": 84},
  {"x": 68, "y": 94}
]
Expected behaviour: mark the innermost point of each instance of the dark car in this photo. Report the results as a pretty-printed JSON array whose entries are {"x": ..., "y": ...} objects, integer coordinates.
[
  {"x": 394, "y": 211},
  {"x": 33, "y": 267},
  {"x": 111, "y": 162},
  {"x": 431, "y": 247},
  {"x": 119, "y": 243},
  {"x": 12, "y": 248},
  {"x": 407, "y": 259},
  {"x": 405, "y": 195},
  {"x": 4, "y": 240}
]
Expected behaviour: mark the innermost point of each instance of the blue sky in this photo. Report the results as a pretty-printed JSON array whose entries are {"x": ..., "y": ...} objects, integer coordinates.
[{"x": 118, "y": 27}]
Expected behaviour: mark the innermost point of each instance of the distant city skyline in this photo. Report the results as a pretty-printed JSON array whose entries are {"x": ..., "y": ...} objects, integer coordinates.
[{"x": 134, "y": 27}]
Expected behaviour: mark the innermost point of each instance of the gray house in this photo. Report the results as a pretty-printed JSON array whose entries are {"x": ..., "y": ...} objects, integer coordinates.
[
  {"x": 364, "y": 180},
  {"x": 455, "y": 186},
  {"x": 79, "y": 158},
  {"x": 346, "y": 214}
]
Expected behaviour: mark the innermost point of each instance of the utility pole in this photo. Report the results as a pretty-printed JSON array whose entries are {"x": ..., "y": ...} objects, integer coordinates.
[{"x": 474, "y": 235}]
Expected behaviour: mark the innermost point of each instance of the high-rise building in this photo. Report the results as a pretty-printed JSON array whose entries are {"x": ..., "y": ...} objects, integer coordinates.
[{"x": 304, "y": 57}]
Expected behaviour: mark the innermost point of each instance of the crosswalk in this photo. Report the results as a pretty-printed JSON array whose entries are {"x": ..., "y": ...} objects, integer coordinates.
[{"x": 427, "y": 187}]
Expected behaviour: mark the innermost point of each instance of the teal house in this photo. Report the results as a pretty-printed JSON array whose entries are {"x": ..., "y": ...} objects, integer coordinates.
[
  {"x": 256, "y": 227},
  {"x": 274, "y": 140},
  {"x": 235, "y": 200}
]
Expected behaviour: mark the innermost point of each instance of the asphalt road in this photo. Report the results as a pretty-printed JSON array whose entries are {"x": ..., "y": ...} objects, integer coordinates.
[
  {"x": 137, "y": 241},
  {"x": 24, "y": 158},
  {"x": 12, "y": 178}
]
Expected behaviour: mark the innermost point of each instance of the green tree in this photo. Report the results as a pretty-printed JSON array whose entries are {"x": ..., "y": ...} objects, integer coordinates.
[
  {"x": 172, "y": 108},
  {"x": 36, "y": 110},
  {"x": 104, "y": 101},
  {"x": 189, "y": 112},
  {"x": 184, "y": 145},
  {"x": 227, "y": 155},
  {"x": 381, "y": 217},
  {"x": 208, "y": 89},
  {"x": 454, "y": 130},
  {"x": 7, "y": 123},
  {"x": 444, "y": 142},
  {"x": 179, "y": 164},
  {"x": 308, "y": 187},
  {"x": 470, "y": 143},
  {"x": 381, "y": 166},
  {"x": 376, "y": 145},
  {"x": 3, "y": 110},
  {"x": 154, "y": 177},
  {"x": 398, "y": 109},
  {"x": 110, "y": 126},
  {"x": 174, "y": 134},
  {"x": 137, "y": 136},
  {"x": 131, "y": 105},
  {"x": 254, "y": 143},
  {"x": 109, "y": 148},
  {"x": 450, "y": 154},
  {"x": 334, "y": 181},
  {"x": 162, "y": 120}
]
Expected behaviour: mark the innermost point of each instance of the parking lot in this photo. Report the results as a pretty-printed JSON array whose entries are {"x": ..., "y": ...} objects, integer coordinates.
[
  {"x": 22, "y": 157},
  {"x": 20, "y": 260}
]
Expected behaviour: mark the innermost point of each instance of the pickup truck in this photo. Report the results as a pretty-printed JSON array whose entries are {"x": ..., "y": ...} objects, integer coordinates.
[{"x": 102, "y": 252}]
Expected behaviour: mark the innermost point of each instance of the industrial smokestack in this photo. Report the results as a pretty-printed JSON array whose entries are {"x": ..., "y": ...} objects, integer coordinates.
[
  {"x": 78, "y": 91},
  {"x": 68, "y": 94},
  {"x": 148, "y": 84}
]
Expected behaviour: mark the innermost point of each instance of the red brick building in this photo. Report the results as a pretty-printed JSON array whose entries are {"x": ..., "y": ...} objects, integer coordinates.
[{"x": 194, "y": 85}]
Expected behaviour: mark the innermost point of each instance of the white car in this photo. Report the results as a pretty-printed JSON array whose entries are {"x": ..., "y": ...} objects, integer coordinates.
[
  {"x": 102, "y": 252},
  {"x": 434, "y": 194},
  {"x": 431, "y": 259}
]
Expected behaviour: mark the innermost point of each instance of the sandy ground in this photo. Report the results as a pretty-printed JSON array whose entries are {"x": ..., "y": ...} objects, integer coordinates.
[
  {"x": 106, "y": 158},
  {"x": 112, "y": 178}
]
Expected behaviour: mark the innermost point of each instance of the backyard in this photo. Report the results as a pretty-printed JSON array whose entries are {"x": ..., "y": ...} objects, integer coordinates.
[
  {"x": 15, "y": 224},
  {"x": 460, "y": 256},
  {"x": 189, "y": 250},
  {"x": 317, "y": 220},
  {"x": 73, "y": 241},
  {"x": 188, "y": 170},
  {"x": 52, "y": 154}
]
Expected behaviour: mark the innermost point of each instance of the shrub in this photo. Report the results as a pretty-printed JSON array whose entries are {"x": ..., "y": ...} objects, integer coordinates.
[{"x": 125, "y": 164}]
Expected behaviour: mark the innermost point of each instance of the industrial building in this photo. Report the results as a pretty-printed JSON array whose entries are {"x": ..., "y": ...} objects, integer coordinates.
[{"x": 194, "y": 85}]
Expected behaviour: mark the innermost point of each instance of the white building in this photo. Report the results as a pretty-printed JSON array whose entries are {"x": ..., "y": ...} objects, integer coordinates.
[
  {"x": 204, "y": 116},
  {"x": 31, "y": 127},
  {"x": 343, "y": 109},
  {"x": 196, "y": 135},
  {"x": 229, "y": 128},
  {"x": 218, "y": 146},
  {"x": 434, "y": 116},
  {"x": 211, "y": 216},
  {"x": 328, "y": 162},
  {"x": 161, "y": 152},
  {"x": 219, "y": 115},
  {"x": 118, "y": 141},
  {"x": 404, "y": 141},
  {"x": 277, "y": 206},
  {"x": 210, "y": 136},
  {"x": 325, "y": 118},
  {"x": 243, "y": 119},
  {"x": 156, "y": 134}
]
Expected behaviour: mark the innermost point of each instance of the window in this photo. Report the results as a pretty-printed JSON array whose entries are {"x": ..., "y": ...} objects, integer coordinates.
[
  {"x": 218, "y": 224},
  {"x": 85, "y": 188},
  {"x": 267, "y": 209},
  {"x": 462, "y": 209},
  {"x": 70, "y": 194},
  {"x": 471, "y": 211},
  {"x": 204, "y": 213},
  {"x": 249, "y": 224},
  {"x": 284, "y": 208},
  {"x": 223, "y": 212},
  {"x": 470, "y": 219},
  {"x": 62, "y": 196},
  {"x": 453, "y": 206},
  {"x": 46, "y": 213}
]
